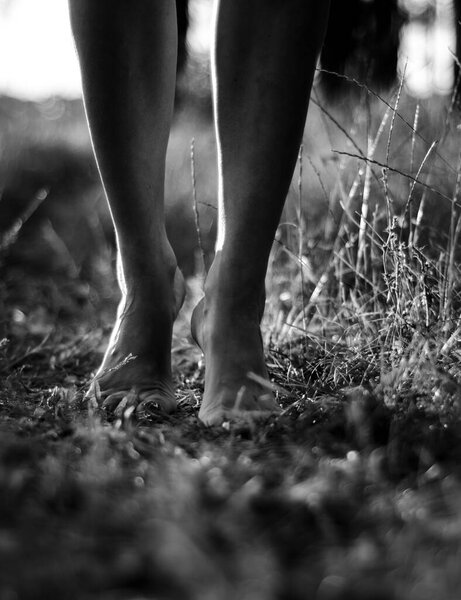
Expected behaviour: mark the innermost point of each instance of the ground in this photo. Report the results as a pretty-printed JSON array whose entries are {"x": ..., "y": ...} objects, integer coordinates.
[{"x": 353, "y": 492}]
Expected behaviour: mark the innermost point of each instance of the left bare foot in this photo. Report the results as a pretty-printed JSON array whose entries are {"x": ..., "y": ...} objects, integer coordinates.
[{"x": 233, "y": 348}]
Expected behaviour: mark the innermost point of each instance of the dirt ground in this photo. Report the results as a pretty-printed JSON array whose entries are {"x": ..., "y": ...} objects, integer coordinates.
[{"x": 352, "y": 493}]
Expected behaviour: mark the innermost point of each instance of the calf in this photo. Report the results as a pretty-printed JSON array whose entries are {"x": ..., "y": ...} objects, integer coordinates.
[{"x": 264, "y": 58}]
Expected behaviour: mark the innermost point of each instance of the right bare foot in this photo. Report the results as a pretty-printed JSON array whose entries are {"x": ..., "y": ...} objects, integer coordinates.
[
  {"x": 232, "y": 345},
  {"x": 136, "y": 369}
]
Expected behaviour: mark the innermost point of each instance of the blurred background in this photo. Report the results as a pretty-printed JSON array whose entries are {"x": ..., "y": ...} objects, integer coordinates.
[
  {"x": 354, "y": 490},
  {"x": 38, "y": 58},
  {"x": 53, "y": 217}
]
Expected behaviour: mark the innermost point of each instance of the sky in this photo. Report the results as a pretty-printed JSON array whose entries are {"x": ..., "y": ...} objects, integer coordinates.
[{"x": 37, "y": 57}]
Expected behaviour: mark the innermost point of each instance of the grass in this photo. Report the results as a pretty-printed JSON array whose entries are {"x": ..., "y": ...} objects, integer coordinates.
[{"x": 354, "y": 491}]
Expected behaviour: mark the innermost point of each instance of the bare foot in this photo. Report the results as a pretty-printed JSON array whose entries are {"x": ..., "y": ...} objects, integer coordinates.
[
  {"x": 136, "y": 369},
  {"x": 233, "y": 350}
]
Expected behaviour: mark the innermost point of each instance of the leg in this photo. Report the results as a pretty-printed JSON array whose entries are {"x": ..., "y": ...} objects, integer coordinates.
[
  {"x": 127, "y": 54},
  {"x": 265, "y": 56}
]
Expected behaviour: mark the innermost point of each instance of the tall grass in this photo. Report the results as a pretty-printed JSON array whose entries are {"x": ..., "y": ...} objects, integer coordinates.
[{"x": 377, "y": 281}]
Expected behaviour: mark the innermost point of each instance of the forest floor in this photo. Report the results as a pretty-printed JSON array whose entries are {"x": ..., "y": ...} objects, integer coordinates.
[{"x": 353, "y": 492}]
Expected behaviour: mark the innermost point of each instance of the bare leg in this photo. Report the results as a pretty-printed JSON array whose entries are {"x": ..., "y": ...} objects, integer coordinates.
[
  {"x": 265, "y": 56},
  {"x": 127, "y": 54}
]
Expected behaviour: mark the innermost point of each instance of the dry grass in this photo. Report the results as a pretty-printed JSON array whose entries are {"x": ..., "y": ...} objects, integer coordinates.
[{"x": 353, "y": 492}]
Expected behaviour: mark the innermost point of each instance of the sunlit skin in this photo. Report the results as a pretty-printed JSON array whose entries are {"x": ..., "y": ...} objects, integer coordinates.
[{"x": 263, "y": 63}]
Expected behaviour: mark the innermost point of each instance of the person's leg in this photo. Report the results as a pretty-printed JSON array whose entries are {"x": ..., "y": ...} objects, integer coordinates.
[
  {"x": 264, "y": 61},
  {"x": 127, "y": 53}
]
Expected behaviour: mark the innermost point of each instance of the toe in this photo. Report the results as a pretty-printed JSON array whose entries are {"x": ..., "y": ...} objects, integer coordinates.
[
  {"x": 116, "y": 401},
  {"x": 94, "y": 392},
  {"x": 148, "y": 400},
  {"x": 113, "y": 399},
  {"x": 125, "y": 403},
  {"x": 212, "y": 417}
]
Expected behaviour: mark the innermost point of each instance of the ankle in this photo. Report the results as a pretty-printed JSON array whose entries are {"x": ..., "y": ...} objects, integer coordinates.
[
  {"x": 233, "y": 294},
  {"x": 153, "y": 269}
]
